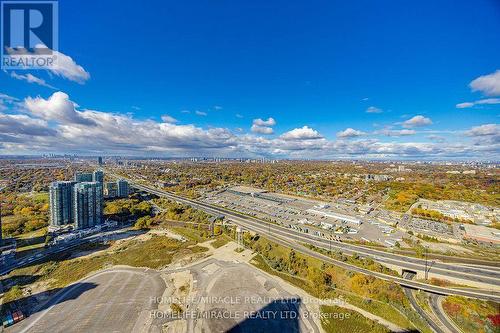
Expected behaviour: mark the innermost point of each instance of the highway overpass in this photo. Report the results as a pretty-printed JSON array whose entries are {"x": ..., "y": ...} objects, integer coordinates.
[{"x": 293, "y": 239}]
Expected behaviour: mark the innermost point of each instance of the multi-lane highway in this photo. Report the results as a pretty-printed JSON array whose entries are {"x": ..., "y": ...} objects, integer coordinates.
[
  {"x": 410, "y": 294},
  {"x": 293, "y": 239},
  {"x": 437, "y": 309},
  {"x": 41, "y": 255}
]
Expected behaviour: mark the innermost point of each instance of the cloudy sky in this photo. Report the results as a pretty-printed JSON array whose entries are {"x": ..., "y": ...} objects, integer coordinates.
[{"x": 280, "y": 79}]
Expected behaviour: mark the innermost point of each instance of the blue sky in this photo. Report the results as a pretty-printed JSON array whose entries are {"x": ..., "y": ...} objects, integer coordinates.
[{"x": 217, "y": 67}]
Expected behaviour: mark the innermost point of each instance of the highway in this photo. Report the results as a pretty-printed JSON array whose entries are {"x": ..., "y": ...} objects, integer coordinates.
[
  {"x": 56, "y": 249},
  {"x": 436, "y": 327},
  {"x": 293, "y": 239},
  {"x": 435, "y": 303}
]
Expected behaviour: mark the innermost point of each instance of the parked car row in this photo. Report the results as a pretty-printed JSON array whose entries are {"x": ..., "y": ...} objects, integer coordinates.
[{"x": 12, "y": 315}]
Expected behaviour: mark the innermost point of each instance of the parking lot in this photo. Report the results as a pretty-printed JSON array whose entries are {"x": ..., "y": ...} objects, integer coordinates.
[
  {"x": 117, "y": 300},
  {"x": 333, "y": 220},
  {"x": 429, "y": 227}
]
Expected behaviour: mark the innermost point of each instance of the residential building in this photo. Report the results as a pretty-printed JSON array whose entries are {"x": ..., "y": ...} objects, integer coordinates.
[
  {"x": 88, "y": 204},
  {"x": 111, "y": 190},
  {"x": 123, "y": 188},
  {"x": 83, "y": 177},
  {"x": 98, "y": 176},
  {"x": 61, "y": 203}
]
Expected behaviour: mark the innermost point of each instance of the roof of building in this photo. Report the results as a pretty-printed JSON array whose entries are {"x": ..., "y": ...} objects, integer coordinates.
[
  {"x": 247, "y": 189},
  {"x": 482, "y": 233}
]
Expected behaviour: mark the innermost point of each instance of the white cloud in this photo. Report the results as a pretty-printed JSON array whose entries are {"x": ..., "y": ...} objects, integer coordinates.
[
  {"x": 262, "y": 129},
  {"x": 373, "y": 109},
  {"x": 6, "y": 101},
  {"x": 263, "y": 126},
  {"x": 168, "y": 119},
  {"x": 218, "y": 107},
  {"x": 239, "y": 116},
  {"x": 56, "y": 124},
  {"x": 19, "y": 124},
  {"x": 484, "y": 130},
  {"x": 304, "y": 133},
  {"x": 67, "y": 68},
  {"x": 63, "y": 66},
  {"x": 57, "y": 107},
  {"x": 269, "y": 122},
  {"x": 485, "y": 135},
  {"x": 436, "y": 138},
  {"x": 417, "y": 121},
  {"x": 484, "y": 101},
  {"x": 402, "y": 132},
  {"x": 350, "y": 133},
  {"x": 488, "y": 84},
  {"x": 8, "y": 98},
  {"x": 200, "y": 113},
  {"x": 31, "y": 79},
  {"x": 464, "y": 105}
]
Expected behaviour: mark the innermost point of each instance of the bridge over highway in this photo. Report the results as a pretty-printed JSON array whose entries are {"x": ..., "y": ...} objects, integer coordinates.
[{"x": 293, "y": 239}]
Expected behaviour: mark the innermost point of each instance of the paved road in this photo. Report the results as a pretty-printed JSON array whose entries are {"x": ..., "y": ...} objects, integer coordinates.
[
  {"x": 411, "y": 297},
  {"x": 435, "y": 303},
  {"x": 486, "y": 275},
  {"x": 436, "y": 327},
  {"x": 41, "y": 255},
  {"x": 289, "y": 238},
  {"x": 119, "y": 300}
]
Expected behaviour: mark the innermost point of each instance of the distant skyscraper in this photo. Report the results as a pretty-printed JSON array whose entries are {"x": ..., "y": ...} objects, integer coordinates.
[
  {"x": 98, "y": 176},
  {"x": 87, "y": 204},
  {"x": 99, "y": 160},
  {"x": 123, "y": 189},
  {"x": 83, "y": 177},
  {"x": 61, "y": 203}
]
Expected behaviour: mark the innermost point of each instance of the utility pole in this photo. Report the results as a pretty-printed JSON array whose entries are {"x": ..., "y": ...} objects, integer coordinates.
[{"x": 425, "y": 263}]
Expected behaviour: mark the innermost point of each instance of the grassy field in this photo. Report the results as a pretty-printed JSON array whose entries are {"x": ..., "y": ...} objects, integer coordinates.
[
  {"x": 471, "y": 315},
  {"x": 335, "y": 319},
  {"x": 381, "y": 298},
  {"x": 259, "y": 262},
  {"x": 221, "y": 241},
  {"x": 192, "y": 234}
]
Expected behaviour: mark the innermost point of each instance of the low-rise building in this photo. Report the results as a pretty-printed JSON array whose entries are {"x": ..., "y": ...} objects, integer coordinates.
[{"x": 481, "y": 233}]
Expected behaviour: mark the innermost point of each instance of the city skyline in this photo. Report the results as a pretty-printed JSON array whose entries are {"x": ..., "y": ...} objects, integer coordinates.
[
  {"x": 386, "y": 82},
  {"x": 250, "y": 166}
]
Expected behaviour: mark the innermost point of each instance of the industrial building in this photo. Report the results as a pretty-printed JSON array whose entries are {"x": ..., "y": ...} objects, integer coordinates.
[
  {"x": 335, "y": 216},
  {"x": 481, "y": 234}
]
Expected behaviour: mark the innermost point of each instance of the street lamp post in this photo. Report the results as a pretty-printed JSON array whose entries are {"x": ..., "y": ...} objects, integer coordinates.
[{"x": 425, "y": 263}]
